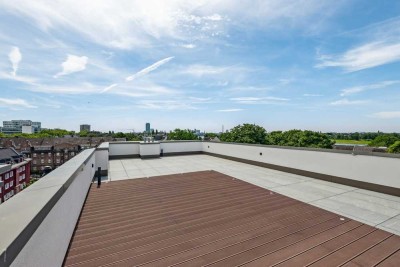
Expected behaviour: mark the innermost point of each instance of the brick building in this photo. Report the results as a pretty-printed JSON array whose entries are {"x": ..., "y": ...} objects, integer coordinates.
[
  {"x": 50, "y": 152},
  {"x": 14, "y": 173}
]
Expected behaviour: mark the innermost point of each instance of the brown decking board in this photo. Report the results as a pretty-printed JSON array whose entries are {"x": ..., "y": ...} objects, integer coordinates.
[{"x": 208, "y": 218}]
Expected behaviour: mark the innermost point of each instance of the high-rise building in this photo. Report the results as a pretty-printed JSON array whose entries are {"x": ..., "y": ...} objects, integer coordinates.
[
  {"x": 148, "y": 127},
  {"x": 85, "y": 127},
  {"x": 21, "y": 126}
]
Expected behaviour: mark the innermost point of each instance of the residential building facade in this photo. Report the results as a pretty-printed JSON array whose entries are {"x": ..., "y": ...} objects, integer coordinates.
[{"x": 15, "y": 173}]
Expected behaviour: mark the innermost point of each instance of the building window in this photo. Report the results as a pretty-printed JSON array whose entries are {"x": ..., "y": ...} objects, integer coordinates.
[
  {"x": 42, "y": 154},
  {"x": 34, "y": 155},
  {"x": 34, "y": 168},
  {"x": 49, "y": 154},
  {"x": 11, "y": 183},
  {"x": 6, "y": 186},
  {"x": 6, "y": 176},
  {"x": 34, "y": 162},
  {"x": 42, "y": 161},
  {"x": 23, "y": 168},
  {"x": 72, "y": 154},
  {"x": 11, "y": 174},
  {"x": 58, "y": 160},
  {"x": 58, "y": 154},
  {"x": 49, "y": 161}
]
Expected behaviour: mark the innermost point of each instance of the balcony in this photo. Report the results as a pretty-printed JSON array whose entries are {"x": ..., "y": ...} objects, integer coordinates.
[{"x": 207, "y": 203}]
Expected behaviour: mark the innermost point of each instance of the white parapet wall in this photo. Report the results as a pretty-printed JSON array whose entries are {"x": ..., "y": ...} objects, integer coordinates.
[
  {"x": 364, "y": 168},
  {"x": 101, "y": 155},
  {"x": 149, "y": 149},
  {"x": 181, "y": 147},
  {"x": 124, "y": 149},
  {"x": 37, "y": 224}
]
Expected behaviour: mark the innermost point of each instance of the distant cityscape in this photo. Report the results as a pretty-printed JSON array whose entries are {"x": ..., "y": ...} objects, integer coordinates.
[{"x": 28, "y": 151}]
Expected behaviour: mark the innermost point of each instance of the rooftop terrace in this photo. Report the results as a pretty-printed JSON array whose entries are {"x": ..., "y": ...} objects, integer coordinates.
[{"x": 207, "y": 203}]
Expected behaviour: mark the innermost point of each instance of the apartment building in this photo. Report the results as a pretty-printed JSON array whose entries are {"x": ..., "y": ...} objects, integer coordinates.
[{"x": 14, "y": 173}]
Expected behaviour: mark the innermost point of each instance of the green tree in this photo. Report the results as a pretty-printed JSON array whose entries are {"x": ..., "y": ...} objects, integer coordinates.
[
  {"x": 83, "y": 133},
  {"x": 394, "y": 148},
  {"x": 246, "y": 133},
  {"x": 385, "y": 140},
  {"x": 179, "y": 134}
]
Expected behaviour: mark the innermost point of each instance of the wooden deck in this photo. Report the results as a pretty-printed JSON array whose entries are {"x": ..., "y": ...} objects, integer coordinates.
[{"x": 211, "y": 219}]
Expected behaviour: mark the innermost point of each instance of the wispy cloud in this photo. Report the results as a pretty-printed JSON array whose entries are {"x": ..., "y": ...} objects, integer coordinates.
[
  {"x": 165, "y": 105},
  {"x": 16, "y": 103},
  {"x": 346, "y": 102},
  {"x": 18, "y": 78},
  {"x": 386, "y": 115},
  {"x": 108, "y": 88},
  {"x": 188, "y": 46},
  {"x": 259, "y": 100},
  {"x": 312, "y": 95},
  {"x": 203, "y": 70},
  {"x": 230, "y": 110},
  {"x": 359, "y": 89},
  {"x": 149, "y": 69},
  {"x": 363, "y": 57},
  {"x": 15, "y": 58},
  {"x": 132, "y": 24},
  {"x": 73, "y": 64}
]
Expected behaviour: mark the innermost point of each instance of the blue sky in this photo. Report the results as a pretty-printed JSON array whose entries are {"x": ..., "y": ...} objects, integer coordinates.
[{"x": 318, "y": 65}]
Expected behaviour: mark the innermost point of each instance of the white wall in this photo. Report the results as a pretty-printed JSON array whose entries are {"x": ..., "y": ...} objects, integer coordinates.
[
  {"x": 124, "y": 149},
  {"x": 176, "y": 147},
  {"x": 371, "y": 169},
  {"x": 49, "y": 243},
  {"x": 150, "y": 149},
  {"x": 101, "y": 157}
]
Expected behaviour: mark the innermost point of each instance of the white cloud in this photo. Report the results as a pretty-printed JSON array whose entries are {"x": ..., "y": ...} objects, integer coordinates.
[
  {"x": 149, "y": 69},
  {"x": 108, "y": 88},
  {"x": 346, "y": 102},
  {"x": 165, "y": 105},
  {"x": 188, "y": 46},
  {"x": 202, "y": 70},
  {"x": 259, "y": 100},
  {"x": 230, "y": 110},
  {"x": 359, "y": 89},
  {"x": 366, "y": 56},
  {"x": 312, "y": 95},
  {"x": 16, "y": 103},
  {"x": 387, "y": 115},
  {"x": 18, "y": 78},
  {"x": 134, "y": 23},
  {"x": 15, "y": 58},
  {"x": 72, "y": 64}
]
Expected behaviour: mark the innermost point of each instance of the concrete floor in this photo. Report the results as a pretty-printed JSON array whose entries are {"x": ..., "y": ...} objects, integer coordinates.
[{"x": 376, "y": 209}]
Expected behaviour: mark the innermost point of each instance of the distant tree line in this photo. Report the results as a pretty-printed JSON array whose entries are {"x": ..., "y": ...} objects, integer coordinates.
[
  {"x": 254, "y": 134},
  {"x": 179, "y": 134},
  {"x": 358, "y": 136}
]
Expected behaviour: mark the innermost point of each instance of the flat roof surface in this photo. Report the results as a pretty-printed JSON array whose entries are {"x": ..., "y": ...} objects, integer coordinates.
[
  {"x": 208, "y": 218},
  {"x": 372, "y": 208}
]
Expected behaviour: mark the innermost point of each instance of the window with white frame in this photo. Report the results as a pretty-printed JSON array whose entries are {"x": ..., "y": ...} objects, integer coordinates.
[
  {"x": 6, "y": 176},
  {"x": 49, "y": 161},
  {"x": 11, "y": 183},
  {"x": 6, "y": 186},
  {"x": 42, "y": 161},
  {"x": 34, "y": 155},
  {"x": 11, "y": 174}
]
